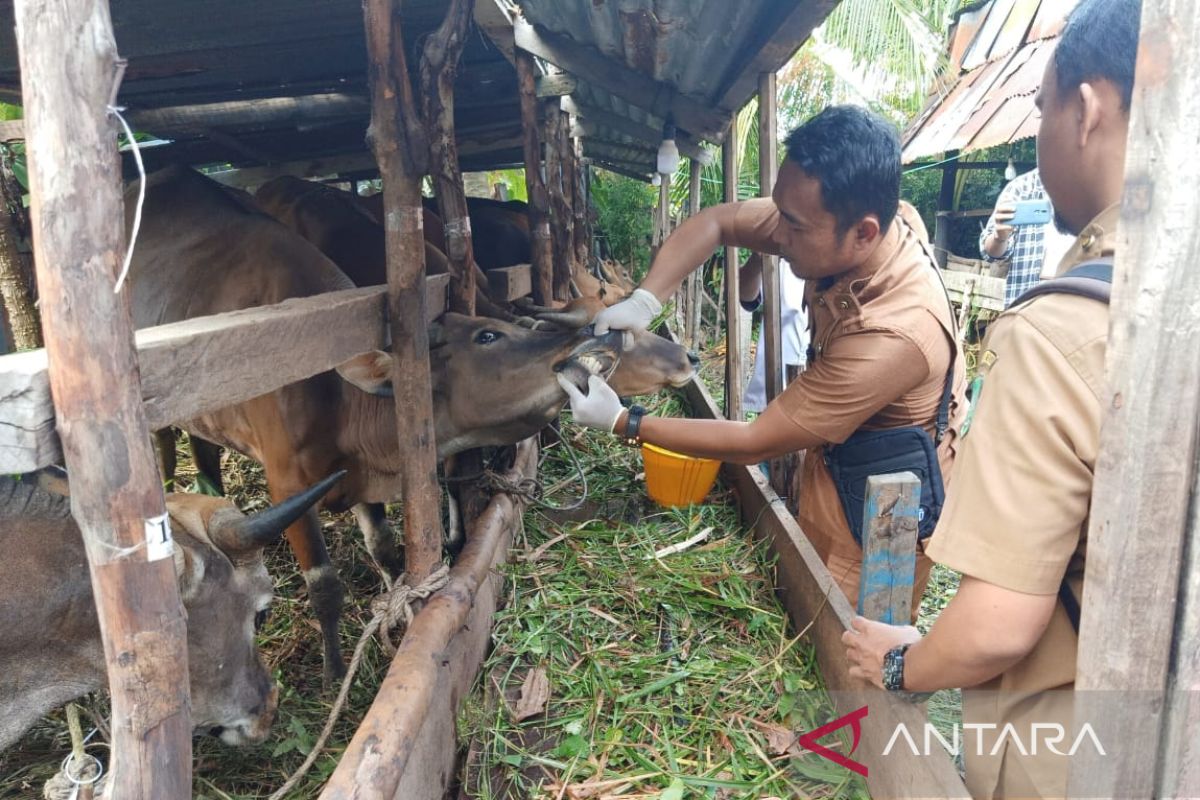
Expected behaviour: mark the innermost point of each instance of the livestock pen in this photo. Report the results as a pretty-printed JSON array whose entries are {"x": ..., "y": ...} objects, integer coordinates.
[{"x": 231, "y": 84}]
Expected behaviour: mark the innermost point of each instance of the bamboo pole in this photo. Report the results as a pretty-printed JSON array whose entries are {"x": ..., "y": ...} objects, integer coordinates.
[
  {"x": 439, "y": 66},
  {"x": 397, "y": 139},
  {"x": 539, "y": 215},
  {"x": 733, "y": 307},
  {"x": 377, "y": 756},
  {"x": 69, "y": 72},
  {"x": 560, "y": 216},
  {"x": 695, "y": 279}
]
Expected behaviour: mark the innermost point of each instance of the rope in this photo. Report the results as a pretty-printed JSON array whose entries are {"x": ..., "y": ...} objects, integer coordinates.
[
  {"x": 530, "y": 489},
  {"x": 137, "y": 213},
  {"x": 80, "y": 772},
  {"x": 389, "y": 608}
]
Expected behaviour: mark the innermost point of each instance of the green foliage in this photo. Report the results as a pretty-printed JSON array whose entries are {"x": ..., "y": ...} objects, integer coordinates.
[
  {"x": 514, "y": 179},
  {"x": 625, "y": 208}
]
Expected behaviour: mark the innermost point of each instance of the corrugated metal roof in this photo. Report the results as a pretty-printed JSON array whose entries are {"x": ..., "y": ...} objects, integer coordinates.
[
  {"x": 185, "y": 53},
  {"x": 998, "y": 54}
]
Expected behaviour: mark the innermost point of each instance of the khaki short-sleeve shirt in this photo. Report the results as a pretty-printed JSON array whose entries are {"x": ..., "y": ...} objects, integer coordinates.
[
  {"x": 1017, "y": 515},
  {"x": 882, "y": 339}
]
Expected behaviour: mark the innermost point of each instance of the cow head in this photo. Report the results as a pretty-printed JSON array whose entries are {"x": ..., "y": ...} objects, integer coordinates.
[{"x": 226, "y": 591}]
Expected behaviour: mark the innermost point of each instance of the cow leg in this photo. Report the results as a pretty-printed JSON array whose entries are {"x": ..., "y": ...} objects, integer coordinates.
[
  {"x": 380, "y": 541},
  {"x": 207, "y": 458},
  {"x": 325, "y": 590},
  {"x": 164, "y": 444}
]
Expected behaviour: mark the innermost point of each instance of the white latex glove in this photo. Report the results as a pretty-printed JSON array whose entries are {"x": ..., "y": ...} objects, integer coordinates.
[
  {"x": 634, "y": 314},
  {"x": 600, "y": 408}
]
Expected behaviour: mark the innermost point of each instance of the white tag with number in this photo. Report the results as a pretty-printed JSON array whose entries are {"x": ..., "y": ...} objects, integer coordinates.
[{"x": 159, "y": 543}]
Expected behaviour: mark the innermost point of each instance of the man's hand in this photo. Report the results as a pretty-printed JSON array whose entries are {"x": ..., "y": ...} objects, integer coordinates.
[
  {"x": 600, "y": 408},
  {"x": 997, "y": 243},
  {"x": 633, "y": 314},
  {"x": 867, "y": 642}
]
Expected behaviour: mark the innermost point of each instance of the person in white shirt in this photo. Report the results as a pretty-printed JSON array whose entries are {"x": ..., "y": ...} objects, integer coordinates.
[{"x": 793, "y": 326}]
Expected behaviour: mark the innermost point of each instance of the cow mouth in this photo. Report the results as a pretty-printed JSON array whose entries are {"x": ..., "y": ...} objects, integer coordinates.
[{"x": 595, "y": 356}]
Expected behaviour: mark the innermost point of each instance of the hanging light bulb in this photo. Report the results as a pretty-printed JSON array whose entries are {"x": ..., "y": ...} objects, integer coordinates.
[
  {"x": 1010, "y": 171},
  {"x": 668, "y": 151},
  {"x": 656, "y": 179}
]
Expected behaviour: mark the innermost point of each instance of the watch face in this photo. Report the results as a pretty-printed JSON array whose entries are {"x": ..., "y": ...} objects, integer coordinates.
[{"x": 893, "y": 669}]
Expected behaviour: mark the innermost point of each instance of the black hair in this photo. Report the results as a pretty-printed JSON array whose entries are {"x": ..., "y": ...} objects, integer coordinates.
[
  {"x": 855, "y": 155},
  {"x": 1099, "y": 40}
]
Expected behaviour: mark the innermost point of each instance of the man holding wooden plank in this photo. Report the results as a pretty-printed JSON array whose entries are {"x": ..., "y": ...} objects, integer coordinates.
[
  {"x": 884, "y": 381},
  {"x": 1016, "y": 521}
]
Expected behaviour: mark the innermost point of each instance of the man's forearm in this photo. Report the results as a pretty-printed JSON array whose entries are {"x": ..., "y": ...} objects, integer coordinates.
[
  {"x": 750, "y": 278},
  {"x": 687, "y": 248},
  {"x": 996, "y": 246},
  {"x": 769, "y": 436}
]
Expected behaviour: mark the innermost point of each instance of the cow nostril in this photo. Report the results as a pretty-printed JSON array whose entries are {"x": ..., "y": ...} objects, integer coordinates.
[{"x": 693, "y": 358}]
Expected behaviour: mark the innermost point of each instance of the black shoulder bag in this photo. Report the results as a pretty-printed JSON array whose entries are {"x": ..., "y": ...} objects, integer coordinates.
[{"x": 1091, "y": 279}]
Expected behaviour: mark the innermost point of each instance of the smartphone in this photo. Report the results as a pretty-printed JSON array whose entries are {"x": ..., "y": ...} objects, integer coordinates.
[{"x": 1031, "y": 212}]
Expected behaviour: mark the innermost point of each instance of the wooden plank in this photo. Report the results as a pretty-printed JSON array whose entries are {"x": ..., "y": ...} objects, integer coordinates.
[
  {"x": 539, "y": 201},
  {"x": 694, "y": 284},
  {"x": 693, "y": 114},
  {"x": 646, "y": 133},
  {"x": 494, "y": 20},
  {"x": 509, "y": 283},
  {"x": 562, "y": 221},
  {"x": 376, "y": 761},
  {"x": 772, "y": 335},
  {"x": 555, "y": 85},
  {"x": 968, "y": 288},
  {"x": 733, "y": 306},
  {"x": 69, "y": 70},
  {"x": 891, "y": 516},
  {"x": 815, "y": 604},
  {"x": 1138, "y": 630}
]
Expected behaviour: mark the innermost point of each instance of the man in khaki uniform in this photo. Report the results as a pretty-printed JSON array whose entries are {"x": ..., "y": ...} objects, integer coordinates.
[
  {"x": 883, "y": 335},
  {"x": 1015, "y": 524}
]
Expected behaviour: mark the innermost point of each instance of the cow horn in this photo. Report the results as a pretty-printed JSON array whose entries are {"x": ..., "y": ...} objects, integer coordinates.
[
  {"x": 240, "y": 534},
  {"x": 572, "y": 320}
]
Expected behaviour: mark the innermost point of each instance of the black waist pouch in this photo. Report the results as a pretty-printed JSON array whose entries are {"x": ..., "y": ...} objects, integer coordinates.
[{"x": 868, "y": 453}]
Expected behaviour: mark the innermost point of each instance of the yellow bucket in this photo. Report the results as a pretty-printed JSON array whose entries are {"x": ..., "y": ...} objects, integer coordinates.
[{"x": 673, "y": 479}]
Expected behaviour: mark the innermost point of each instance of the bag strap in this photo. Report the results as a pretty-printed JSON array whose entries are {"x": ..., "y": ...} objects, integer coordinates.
[
  {"x": 1091, "y": 279},
  {"x": 942, "y": 421}
]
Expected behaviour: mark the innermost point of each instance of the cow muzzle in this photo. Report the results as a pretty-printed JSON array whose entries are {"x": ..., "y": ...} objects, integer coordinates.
[{"x": 253, "y": 728}]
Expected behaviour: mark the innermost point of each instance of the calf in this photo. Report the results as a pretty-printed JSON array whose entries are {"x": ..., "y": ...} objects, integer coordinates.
[{"x": 51, "y": 651}]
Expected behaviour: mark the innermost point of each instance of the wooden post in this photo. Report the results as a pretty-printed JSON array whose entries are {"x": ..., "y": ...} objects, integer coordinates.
[
  {"x": 695, "y": 279},
  {"x": 397, "y": 139},
  {"x": 579, "y": 202},
  {"x": 560, "y": 216},
  {"x": 890, "y": 517},
  {"x": 941, "y": 229},
  {"x": 439, "y": 66},
  {"x": 570, "y": 168},
  {"x": 68, "y": 72},
  {"x": 16, "y": 295},
  {"x": 539, "y": 217},
  {"x": 1139, "y": 640},
  {"x": 733, "y": 306}
]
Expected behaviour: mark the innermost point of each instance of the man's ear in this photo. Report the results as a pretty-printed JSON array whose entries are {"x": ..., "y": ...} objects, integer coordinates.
[
  {"x": 866, "y": 232},
  {"x": 1090, "y": 112}
]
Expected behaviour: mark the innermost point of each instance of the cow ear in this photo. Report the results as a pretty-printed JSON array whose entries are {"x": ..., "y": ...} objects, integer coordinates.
[
  {"x": 189, "y": 570},
  {"x": 371, "y": 372}
]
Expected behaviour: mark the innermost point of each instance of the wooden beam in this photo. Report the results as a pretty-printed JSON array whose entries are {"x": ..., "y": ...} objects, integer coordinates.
[
  {"x": 539, "y": 201},
  {"x": 645, "y": 133},
  {"x": 941, "y": 230},
  {"x": 638, "y": 172},
  {"x": 1139, "y": 639},
  {"x": 494, "y": 20},
  {"x": 70, "y": 73},
  {"x": 439, "y": 65},
  {"x": 815, "y": 604},
  {"x": 695, "y": 284},
  {"x": 240, "y": 355},
  {"x": 693, "y": 114},
  {"x": 733, "y": 306},
  {"x": 561, "y": 219},
  {"x": 778, "y": 42},
  {"x": 772, "y": 314},
  {"x": 509, "y": 283},
  {"x": 377, "y": 759},
  {"x": 890, "y": 520},
  {"x": 556, "y": 85}
]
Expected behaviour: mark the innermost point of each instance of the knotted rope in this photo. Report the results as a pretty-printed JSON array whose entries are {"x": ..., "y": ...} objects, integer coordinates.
[
  {"x": 388, "y": 610},
  {"x": 80, "y": 772}
]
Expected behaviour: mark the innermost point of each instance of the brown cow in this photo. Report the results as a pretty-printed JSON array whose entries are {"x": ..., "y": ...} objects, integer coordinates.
[
  {"x": 51, "y": 652},
  {"x": 205, "y": 249}
]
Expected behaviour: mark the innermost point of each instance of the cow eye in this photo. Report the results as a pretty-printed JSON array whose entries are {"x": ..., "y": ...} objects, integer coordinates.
[
  {"x": 487, "y": 337},
  {"x": 260, "y": 618}
]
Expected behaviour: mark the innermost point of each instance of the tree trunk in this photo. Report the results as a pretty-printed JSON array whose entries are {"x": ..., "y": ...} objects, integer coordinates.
[{"x": 24, "y": 323}]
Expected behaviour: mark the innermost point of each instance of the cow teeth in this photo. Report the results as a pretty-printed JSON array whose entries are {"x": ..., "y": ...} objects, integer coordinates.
[{"x": 591, "y": 364}]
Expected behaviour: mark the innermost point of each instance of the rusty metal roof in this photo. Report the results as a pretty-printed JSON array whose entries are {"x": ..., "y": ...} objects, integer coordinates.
[
  {"x": 706, "y": 54},
  {"x": 997, "y": 56}
]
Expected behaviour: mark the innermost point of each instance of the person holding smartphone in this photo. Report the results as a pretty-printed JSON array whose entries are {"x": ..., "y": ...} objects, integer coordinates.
[{"x": 1022, "y": 229}]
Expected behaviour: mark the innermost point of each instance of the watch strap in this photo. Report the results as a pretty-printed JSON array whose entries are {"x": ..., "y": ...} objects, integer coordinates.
[{"x": 633, "y": 425}]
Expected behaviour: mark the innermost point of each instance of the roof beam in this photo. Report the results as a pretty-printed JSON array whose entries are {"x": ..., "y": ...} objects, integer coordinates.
[
  {"x": 629, "y": 127},
  {"x": 660, "y": 99},
  {"x": 622, "y": 168},
  {"x": 496, "y": 22},
  {"x": 778, "y": 42}
]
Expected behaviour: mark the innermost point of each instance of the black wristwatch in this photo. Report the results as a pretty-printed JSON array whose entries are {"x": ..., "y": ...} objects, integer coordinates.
[
  {"x": 893, "y": 675},
  {"x": 633, "y": 426}
]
